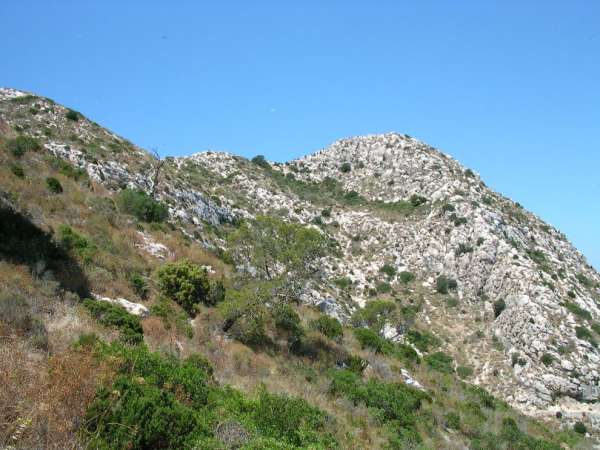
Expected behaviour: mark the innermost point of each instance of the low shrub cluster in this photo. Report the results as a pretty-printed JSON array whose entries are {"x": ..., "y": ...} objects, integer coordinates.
[
  {"x": 160, "y": 402},
  {"x": 394, "y": 403},
  {"x": 75, "y": 242},
  {"x": 142, "y": 206},
  {"x": 111, "y": 315},
  {"x": 22, "y": 144},
  {"x": 444, "y": 284},
  {"x": 369, "y": 340},
  {"x": 53, "y": 185},
  {"x": 329, "y": 326}
]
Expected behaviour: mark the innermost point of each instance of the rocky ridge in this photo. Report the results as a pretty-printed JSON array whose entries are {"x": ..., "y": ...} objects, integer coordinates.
[{"x": 494, "y": 249}]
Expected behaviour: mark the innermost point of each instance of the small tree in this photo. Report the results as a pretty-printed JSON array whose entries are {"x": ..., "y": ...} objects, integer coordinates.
[
  {"x": 54, "y": 185},
  {"x": 185, "y": 283},
  {"x": 273, "y": 250}
]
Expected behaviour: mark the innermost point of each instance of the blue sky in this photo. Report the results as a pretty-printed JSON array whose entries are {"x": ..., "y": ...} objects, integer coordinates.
[{"x": 509, "y": 88}]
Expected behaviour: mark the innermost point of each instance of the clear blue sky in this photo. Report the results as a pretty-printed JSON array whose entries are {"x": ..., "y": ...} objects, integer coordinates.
[{"x": 509, "y": 88}]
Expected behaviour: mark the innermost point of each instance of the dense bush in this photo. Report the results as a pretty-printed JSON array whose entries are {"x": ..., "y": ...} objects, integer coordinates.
[
  {"x": 142, "y": 206},
  {"x": 329, "y": 326},
  {"x": 22, "y": 144},
  {"x": 72, "y": 115},
  {"x": 260, "y": 160},
  {"x": 406, "y": 277},
  {"x": 67, "y": 169},
  {"x": 160, "y": 402},
  {"x": 369, "y": 339},
  {"x": 580, "y": 428},
  {"x": 464, "y": 372},
  {"x": 374, "y": 315},
  {"x": 111, "y": 315},
  {"x": 499, "y": 306},
  {"x": 586, "y": 334},
  {"x": 417, "y": 200},
  {"x": 53, "y": 185},
  {"x": 388, "y": 269},
  {"x": 395, "y": 403},
  {"x": 440, "y": 361},
  {"x": 578, "y": 310},
  {"x": 139, "y": 285},
  {"x": 423, "y": 340},
  {"x": 547, "y": 359},
  {"x": 289, "y": 419},
  {"x": 245, "y": 318},
  {"x": 345, "y": 167},
  {"x": 17, "y": 171},
  {"x": 185, "y": 283},
  {"x": 287, "y": 319},
  {"x": 445, "y": 284},
  {"x": 75, "y": 242}
]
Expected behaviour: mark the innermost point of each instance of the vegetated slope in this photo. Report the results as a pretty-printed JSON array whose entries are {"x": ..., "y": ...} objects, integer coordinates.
[{"x": 444, "y": 263}]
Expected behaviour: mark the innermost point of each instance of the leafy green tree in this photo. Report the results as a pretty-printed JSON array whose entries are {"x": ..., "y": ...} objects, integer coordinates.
[{"x": 273, "y": 250}]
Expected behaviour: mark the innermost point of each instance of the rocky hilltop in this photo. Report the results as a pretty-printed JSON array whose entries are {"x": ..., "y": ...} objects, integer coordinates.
[{"x": 506, "y": 293}]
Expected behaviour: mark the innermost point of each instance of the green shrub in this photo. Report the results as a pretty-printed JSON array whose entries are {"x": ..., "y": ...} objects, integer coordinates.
[
  {"x": 326, "y": 212},
  {"x": 417, "y": 200},
  {"x": 440, "y": 361},
  {"x": 67, "y": 169},
  {"x": 53, "y": 185},
  {"x": 464, "y": 372},
  {"x": 499, "y": 306},
  {"x": 596, "y": 328},
  {"x": 289, "y": 419},
  {"x": 142, "y": 206},
  {"x": 448, "y": 207},
  {"x": 452, "y": 302},
  {"x": 585, "y": 334},
  {"x": 463, "y": 249},
  {"x": 423, "y": 340},
  {"x": 547, "y": 359},
  {"x": 139, "y": 285},
  {"x": 585, "y": 281},
  {"x": 72, "y": 115},
  {"x": 17, "y": 171},
  {"x": 329, "y": 326},
  {"x": 287, "y": 319},
  {"x": 245, "y": 318},
  {"x": 469, "y": 173},
  {"x": 445, "y": 284},
  {"x": 578, "y": 310},
  {"x": 75, "y": 242},
  {"x": 406, "y": 277},
  {"x": 111, "y": 315},
  {"x": 580, "y": 428},
  {"x": 388, "y": 269},
  {"x": 395, "y": 403},
  {"x": 368, "y": 339},
  {"x": 185, "y": 283},
  {"x": 345, "y": 167},
  {"x": 261, "y": 161},
  {"x": 374, "y": 315},
  {"x": 342, "y": 282},
  {"x": 383, "y": 287},
  {"x": 22, "y": 144},
  {"x": 452, "y": 420}
]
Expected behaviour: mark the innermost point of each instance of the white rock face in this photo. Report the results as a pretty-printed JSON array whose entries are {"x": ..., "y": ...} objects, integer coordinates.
[
  {"x": 132, "y": 308},
  {"x": 149, "y": 245}
]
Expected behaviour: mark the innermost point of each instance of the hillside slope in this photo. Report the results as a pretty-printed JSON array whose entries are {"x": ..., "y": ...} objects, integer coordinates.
[{"x": 506, "y": 295}]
